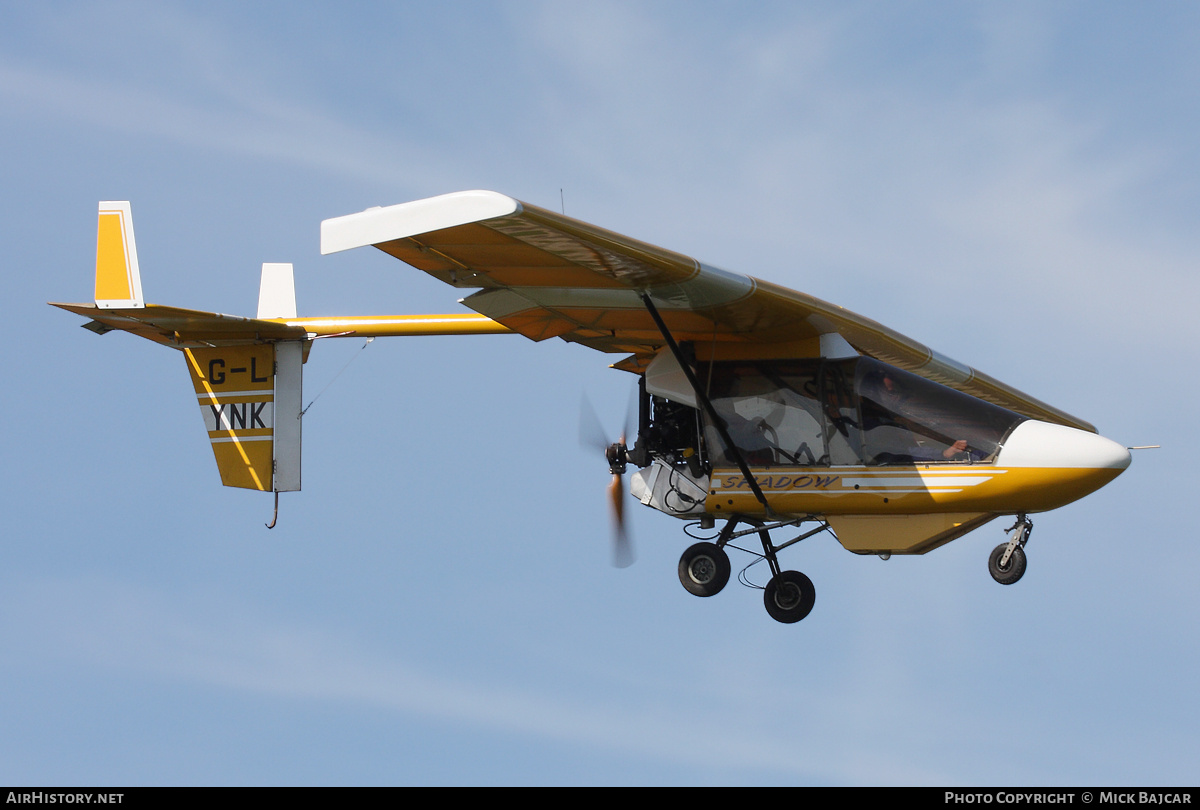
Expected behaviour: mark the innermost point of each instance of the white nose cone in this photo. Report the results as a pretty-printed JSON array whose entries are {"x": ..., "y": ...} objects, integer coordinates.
[{"x": 1042, "y": 444}]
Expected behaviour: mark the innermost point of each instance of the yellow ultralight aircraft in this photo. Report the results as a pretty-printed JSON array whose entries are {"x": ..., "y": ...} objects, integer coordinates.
[{"x": 758, "y": 405}]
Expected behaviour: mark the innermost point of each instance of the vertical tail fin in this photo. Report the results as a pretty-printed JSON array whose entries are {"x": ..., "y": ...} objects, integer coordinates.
[
  {"x": 277, "y": 299},
  {"x": 277, "y": 292},
  {"x": 118, "y": 279},
  {"x": 250, "y": 398}
]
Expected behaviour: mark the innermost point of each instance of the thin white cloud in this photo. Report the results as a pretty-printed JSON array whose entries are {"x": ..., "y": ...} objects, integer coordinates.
[
  {"x": 95, "y": 624},
  {"x": 275, "y": 131}
]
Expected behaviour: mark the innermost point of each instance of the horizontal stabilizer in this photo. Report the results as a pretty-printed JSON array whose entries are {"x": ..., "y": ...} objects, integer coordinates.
[{"x": 181, "y": 328}]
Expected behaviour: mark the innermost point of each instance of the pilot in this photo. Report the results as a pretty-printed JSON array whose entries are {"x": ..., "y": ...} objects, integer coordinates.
[{"x": 890, "y": 414}]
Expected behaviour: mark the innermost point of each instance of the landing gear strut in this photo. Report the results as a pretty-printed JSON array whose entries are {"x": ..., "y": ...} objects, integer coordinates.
[
  {"x": 789, "y": 595},
  {"x": 1007, "y": 561}
]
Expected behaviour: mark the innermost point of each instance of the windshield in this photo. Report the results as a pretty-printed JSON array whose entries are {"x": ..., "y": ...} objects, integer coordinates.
[
  {"x": 839, "y": 412},
  {"x": 771, "y": 412},
  {"x": 906, "y": 418}
]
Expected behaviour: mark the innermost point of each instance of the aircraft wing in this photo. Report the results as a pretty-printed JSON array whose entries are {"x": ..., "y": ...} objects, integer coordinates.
[{"x": 546, "y": 275}]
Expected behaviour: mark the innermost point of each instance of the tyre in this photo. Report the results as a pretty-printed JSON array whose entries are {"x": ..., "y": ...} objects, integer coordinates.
[
  {"x": 789, "y": 597},
  {"x": 704, "y": 569},
  {"x": 1011, "y": 572}
]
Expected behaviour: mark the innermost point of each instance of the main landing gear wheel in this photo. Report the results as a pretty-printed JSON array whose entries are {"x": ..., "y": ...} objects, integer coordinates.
[
  {"x": 704, "y": 569},
  {"x": 789, "y": 596},
  {"x": 1010, "y": 573}
]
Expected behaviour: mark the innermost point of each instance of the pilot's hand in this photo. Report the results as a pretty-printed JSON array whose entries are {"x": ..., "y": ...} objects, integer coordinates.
[{"x": 953, "y": 450}]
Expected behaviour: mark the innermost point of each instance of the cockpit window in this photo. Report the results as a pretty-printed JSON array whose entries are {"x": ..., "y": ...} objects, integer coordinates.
[
  {"x": 771, "y": 411},
  {"x": 838, "y": 412},
  {"x": 907, "y": 418}
]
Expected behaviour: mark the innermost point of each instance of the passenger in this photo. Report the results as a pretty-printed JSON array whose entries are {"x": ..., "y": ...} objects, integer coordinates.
[{"x": 756, "y": 436}]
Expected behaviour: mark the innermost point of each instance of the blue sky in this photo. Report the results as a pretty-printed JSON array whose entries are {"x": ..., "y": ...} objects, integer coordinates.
[{"x": 1013, "y": 184}]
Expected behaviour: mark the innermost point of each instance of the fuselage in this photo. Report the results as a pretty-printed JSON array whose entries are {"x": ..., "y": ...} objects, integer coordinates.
[
  {"x": 893, "y": 461},
  {"x": 1041, "y": 466}
]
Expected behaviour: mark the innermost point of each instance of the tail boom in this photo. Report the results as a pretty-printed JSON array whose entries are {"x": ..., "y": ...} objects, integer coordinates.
[{"x": 247, "y": 373}]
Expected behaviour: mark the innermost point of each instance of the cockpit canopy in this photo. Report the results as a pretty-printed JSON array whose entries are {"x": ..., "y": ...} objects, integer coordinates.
[{"x": 816, "y": 412}]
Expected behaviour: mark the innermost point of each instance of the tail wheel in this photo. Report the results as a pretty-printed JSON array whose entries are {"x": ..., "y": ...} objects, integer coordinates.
[
  {"x": 789, "y": 596},
  {"x": 704, "y": 569},
  {"x": 1011, "y": 572}
]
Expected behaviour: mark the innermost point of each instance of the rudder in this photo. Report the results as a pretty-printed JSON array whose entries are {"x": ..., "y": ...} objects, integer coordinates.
[{"x": 249, "y": 397}]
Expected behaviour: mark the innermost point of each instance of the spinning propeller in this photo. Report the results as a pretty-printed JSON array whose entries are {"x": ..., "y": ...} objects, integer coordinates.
[{"x": 591, "y": 434}]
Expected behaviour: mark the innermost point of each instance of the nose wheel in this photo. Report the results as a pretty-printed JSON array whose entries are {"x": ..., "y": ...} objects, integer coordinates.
[{"x": 1007, "y": 561}]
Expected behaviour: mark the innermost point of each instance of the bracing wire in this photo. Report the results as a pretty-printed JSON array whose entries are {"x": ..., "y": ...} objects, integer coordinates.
[{"x": 335, "y": 376}]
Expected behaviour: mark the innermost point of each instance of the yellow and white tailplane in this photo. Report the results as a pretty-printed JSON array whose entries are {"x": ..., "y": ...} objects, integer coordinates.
[
  {"x": 247, "y": 373},
  {"x": 248, "y": 386}
]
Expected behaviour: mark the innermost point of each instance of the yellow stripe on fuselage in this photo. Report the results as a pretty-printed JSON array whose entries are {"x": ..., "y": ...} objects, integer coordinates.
[{"x": 904, "y": 490}]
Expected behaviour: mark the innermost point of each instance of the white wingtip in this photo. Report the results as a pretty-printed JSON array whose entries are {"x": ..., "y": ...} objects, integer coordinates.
[{"x": 376, "y": 225}]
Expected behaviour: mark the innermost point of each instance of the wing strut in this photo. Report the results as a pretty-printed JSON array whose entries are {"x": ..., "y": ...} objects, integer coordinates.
[{"x": 702, "y": 398}]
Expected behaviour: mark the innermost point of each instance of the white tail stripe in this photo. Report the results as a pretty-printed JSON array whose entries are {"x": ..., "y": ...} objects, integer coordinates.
[{"x": 205, "y": 395}]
